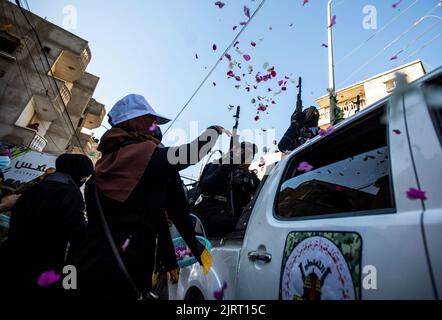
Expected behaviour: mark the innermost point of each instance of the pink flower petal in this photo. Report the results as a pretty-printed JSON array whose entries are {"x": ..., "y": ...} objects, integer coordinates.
[
  {"x": 305, "y": 167},
  {"x": 325, "y": 132},
  {"x": 242, "y": 23},
  {"x": 416, "y": 194},
  {"x": 397, "y": 131},
  {"x": 228, "y": 56},
  {"x": 153, "y": 127},
  {"x": 247, "y": 57},
  {"x": 280, "y": 82},
  {"x": 283, "y": 88},
  {"x": 219, "y": 4},
  {"x": 333, "y": 21},
  {"x": 219, "y": 294},
  {"x": 48, "y": 278},
  {"x": 256, "y": 118},
  {"x": 253, "y": 44},
  {"x": 125, "y": 245},
  {"x": 305, "y": 2}
]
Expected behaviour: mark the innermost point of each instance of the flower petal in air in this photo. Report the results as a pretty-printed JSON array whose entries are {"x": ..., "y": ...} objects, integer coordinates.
[
  {"x": 48, "y": 278},
  {"x": 247, "y": 57},
  {"x": 247, "y": 12},
  {"x": 305, "y": 167},
  {"x": 220, "y": 4},
  {"x": 416, "y": 194}
]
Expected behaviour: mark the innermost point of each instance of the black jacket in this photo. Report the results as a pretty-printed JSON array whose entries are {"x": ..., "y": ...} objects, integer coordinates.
[{"x": 45, "y": 218}]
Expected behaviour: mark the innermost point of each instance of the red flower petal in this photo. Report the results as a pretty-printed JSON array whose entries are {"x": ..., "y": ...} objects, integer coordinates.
[
  {"x": 416, "y": 194},
  {"x": 256, "y": 118},
  {"x": 242, "y": 23},
  {"x": 283, "y": 88},
  {"x": 397, "y": 131},
  {"x": 247, "y": 57},
  {"x": 280, "y": 82}
]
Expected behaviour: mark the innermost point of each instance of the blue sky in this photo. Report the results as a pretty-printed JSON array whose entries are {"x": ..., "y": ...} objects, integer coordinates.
[{"x": 149, "y": 46}]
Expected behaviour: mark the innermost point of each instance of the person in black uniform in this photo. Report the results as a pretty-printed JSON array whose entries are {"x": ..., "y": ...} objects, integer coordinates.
[
  {"x": 225, "y": 189},
  {"x": 303, "y": 126}
]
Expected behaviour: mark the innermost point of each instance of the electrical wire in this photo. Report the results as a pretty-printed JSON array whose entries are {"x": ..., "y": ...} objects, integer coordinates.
[
  {"x": 354, "y": 50},
  {"x": 215, "y": 65},
  {"x": 38, "y": 73},
  {"x": 52, "y": 74},
  {"x": 355, "y": 71},
  {"x": 425, "y": 45}
]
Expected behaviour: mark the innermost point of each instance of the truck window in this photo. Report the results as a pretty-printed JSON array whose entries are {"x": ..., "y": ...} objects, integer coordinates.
[
  {"x": 350, "y": 173},
  {"x": 433, "y": 95}
]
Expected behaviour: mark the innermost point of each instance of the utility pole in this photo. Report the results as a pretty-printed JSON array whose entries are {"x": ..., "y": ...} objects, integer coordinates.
[{"x": 331, "y": 65}]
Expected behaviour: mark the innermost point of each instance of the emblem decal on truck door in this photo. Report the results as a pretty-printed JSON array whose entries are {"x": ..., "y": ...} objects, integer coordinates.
[{"x": 321, "y": 266}]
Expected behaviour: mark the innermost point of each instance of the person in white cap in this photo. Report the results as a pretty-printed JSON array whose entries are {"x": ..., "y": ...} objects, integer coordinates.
[{"x": 133, "y": 180}]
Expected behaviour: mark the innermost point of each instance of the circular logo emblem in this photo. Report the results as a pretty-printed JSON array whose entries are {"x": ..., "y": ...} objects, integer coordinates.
[{"x": 317, "y": 270}]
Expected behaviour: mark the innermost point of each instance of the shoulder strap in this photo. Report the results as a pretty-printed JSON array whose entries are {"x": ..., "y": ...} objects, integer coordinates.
[{"x": 114, "y": 247}]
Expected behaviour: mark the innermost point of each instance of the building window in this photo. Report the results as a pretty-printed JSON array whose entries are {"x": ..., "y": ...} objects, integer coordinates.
[
  {"x": 433, "y": 91},
  {"x": 8, "y": 42},
  {"x": 351, "y": 174},
  {"x": 390, "y": 85}
]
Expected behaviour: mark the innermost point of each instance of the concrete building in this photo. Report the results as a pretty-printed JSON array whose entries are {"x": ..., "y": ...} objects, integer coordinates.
[
  {"x": 369, "y": 91},
  {"x": 44, "y": 112}
]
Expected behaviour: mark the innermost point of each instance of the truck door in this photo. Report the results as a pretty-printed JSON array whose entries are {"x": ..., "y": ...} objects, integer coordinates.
[
  {"x": 334, "y": 221},
  {"x": 424, "y": 118}
]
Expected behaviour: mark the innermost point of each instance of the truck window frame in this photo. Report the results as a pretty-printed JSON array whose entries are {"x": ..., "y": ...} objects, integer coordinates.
[{"x": 375, "y": 111}]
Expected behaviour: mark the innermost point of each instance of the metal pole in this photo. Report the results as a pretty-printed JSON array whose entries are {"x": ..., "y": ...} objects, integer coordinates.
[{"x": 331, "y": 65}]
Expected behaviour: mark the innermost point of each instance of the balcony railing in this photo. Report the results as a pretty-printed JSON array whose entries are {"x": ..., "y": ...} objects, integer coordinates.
[
  {"x": 38, "y": 143},
  {"x": 86, "y": 57}
]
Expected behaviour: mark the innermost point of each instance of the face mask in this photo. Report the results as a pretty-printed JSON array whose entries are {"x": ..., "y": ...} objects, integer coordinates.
[{"x": 5, "y": 162}]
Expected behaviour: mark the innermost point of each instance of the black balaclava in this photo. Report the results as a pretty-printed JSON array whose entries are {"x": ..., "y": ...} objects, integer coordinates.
[{"x": 78, "y": 166}]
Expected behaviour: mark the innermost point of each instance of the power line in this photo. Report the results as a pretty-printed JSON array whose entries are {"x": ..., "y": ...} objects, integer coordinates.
[
  {"x": 425, "y": 45},
  {"x": 389, "y": 45},
  {"x": 405, "y": 48},
  {"x": 52, "y": 74},
  {"x": 348, "y": 55},
  {"x": 30, "y": 94},
  {"x": 215, "y": 66},
  {"x": 38, "y": 73}
]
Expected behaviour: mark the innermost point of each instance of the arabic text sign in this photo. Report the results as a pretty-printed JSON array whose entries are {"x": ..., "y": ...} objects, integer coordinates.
[{"x": 29, "y": 166}]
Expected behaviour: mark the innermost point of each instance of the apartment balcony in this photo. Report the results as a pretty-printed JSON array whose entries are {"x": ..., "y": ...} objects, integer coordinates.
[
  {"x": 27, "y": 137},
  {"x": 94, "y": 114},
  {"x": 70, "y": 66}
]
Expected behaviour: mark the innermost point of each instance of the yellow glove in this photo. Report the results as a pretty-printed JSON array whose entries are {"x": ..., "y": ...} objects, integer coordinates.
[
  {"x": 206, "y": 259},
  {"x": 174, "y": 275},
  {"x": 155, "y": 278}
]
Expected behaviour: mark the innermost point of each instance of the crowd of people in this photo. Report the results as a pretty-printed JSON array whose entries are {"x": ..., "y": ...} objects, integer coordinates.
[{"x": 116, "y": 232}]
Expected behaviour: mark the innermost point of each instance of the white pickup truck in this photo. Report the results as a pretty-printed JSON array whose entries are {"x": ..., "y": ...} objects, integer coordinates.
[{"x": 364, "y": 223}]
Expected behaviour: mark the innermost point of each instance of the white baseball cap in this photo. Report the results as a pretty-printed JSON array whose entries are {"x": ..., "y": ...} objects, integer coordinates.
[{"x": 133, "y": 106}]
